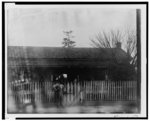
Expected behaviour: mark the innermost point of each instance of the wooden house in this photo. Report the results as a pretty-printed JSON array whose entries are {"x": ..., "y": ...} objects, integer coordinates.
[{"x": 43, "y": 63}]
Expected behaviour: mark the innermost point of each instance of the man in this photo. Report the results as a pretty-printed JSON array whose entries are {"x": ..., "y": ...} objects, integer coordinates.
[{"x": 58, "y": 88}]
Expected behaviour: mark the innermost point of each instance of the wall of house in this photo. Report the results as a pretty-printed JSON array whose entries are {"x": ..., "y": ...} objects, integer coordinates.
[{"x": 122, "y": 72}]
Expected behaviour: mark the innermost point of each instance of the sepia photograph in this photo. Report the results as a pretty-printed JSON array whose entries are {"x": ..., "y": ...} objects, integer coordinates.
[{"x": 82, "y": 60}]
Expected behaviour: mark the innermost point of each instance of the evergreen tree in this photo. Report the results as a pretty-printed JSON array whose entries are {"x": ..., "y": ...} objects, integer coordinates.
[{"x": 67, "y": 42}]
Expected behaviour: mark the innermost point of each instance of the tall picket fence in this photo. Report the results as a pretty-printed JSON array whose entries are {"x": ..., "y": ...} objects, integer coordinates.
[
  {"x": 76, "y": 92},
  {"x": 110, "y": 91}
]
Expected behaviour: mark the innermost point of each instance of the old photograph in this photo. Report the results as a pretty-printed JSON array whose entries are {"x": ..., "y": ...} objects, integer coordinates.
[{"x": 73, "y": 59}]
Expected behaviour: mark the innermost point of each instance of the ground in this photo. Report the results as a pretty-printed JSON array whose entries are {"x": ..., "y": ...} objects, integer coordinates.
[{"x": 104, "y": 107}]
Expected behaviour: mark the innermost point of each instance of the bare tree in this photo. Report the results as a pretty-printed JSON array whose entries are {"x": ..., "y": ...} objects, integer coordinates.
[
  {"x": 130, "y": 44},
  {"x": 67, "y": 42},
  {"x": 106, "y": 39},
  {"x": 110, "y": 39}
]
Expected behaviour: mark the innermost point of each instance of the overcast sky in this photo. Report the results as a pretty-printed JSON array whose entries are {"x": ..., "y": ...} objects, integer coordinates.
[{"x": 45, "y": 26}]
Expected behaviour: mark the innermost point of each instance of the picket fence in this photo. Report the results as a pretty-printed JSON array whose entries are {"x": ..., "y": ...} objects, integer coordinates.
[{"x": 76, "y": 92}]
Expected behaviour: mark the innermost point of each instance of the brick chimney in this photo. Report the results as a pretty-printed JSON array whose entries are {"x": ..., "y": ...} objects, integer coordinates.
[{"x": 118, "y": 45}]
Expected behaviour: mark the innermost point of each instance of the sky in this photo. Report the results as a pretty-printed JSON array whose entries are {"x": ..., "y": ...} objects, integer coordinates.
[{"x": 44, "y": 26}]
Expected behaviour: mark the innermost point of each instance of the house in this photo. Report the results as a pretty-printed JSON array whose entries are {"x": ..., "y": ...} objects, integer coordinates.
[{"x": 47, "y": 63}]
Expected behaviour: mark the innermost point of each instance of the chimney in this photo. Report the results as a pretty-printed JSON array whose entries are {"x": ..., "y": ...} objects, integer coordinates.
[{"x": 118, "y": 45}]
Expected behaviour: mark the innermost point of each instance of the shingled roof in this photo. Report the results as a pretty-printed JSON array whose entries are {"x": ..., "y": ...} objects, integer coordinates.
[{"x": 27, "y": 52}]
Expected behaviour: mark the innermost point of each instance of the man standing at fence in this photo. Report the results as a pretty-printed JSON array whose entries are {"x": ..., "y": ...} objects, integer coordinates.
[{"x": 58, "y": 88}]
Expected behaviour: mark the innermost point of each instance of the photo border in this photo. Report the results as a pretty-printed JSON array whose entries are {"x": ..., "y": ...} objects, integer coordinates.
[{"x": 69, "y": 3}]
